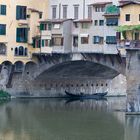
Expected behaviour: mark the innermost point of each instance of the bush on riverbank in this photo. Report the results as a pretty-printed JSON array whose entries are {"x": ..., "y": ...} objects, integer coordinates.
[{"x": 4, "y": 95}]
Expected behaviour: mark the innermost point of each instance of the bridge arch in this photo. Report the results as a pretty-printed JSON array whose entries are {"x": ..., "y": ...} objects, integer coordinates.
[{"x": 110, "y": 63}]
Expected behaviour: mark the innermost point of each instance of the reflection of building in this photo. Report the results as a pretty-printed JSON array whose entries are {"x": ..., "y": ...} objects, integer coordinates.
[{"x": 19, "y": 23}]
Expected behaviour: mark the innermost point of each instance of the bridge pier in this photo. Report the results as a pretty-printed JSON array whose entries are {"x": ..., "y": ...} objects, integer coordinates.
[{"x": 133, "y": 81}]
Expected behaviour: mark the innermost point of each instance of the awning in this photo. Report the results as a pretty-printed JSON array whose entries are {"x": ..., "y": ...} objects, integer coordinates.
[{"x": 84, "y": 35}]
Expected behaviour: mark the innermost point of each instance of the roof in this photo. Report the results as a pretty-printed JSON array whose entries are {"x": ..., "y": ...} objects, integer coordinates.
[
  {"x": 101, "y": 3},
  {"x": 125, "y": 3},
  {"x": 83, "y": 20}
]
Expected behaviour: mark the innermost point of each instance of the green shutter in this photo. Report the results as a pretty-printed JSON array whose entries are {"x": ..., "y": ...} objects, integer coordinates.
[
  {"x": 41, "y": 26},
  {"x": 43, "y": 44}
]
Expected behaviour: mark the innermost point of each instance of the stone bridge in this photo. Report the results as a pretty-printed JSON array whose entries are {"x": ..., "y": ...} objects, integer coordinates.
[{"x": 79, "y": 64}]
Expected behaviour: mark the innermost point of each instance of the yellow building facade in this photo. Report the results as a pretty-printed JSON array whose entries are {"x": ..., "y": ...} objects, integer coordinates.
[
  {"x": 130, "y": 20},
  {"x": 19, "y": 24}
]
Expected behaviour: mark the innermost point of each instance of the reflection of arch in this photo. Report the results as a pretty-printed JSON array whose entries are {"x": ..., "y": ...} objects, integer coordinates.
[
  {"x": 3, "y": 48},
  {"x": 21, "y": 51},
  {"x": 19, "y": 66}
]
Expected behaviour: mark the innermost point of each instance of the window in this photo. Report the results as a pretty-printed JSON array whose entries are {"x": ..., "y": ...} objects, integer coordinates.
[
  {"x": 98, "y": 40},
  {"x": 22, "y": 35},
  {"x": 127, "y": 17},
  {"x": 45, "y": 26},
  {"x": 54, "y": 12},
  {"x": 21, "y": 12},
  {"x": 45, "y": 42},
  {"x": 85, "y": 25},
  {"x": 89, "y": 11},
  {"x": 2, "y": 29},
  {"x": 2, "y": 48},
  {"x": 101, "y": 22},
  {"x": 76, "y": 24},
  {"x": 96, "y": 22},
  {"x": 57, "y": 41},
  {"x": 65, "y": 11},
  {"x": 84, "y": 40},
  {"x": 36, "y": 42},
  {"x": 56, "y": 26},
  {"x": 76, "y": 11},
  {"x": 75, "y": 41},
  {"x": 21, "y": 51},
  {"x": 112, "y": 21},
  {"x": 139, "y": 17},
  {"x": 111, "y": 40},
  {"x": 2, "y": 9},
  {"x": 99, "y": 9}
]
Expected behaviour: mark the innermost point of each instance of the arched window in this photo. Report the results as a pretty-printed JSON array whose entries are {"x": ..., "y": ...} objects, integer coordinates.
[
  {"x": 26, "y": 51},
  {"x": 16, "y": 51},
  {"x": 2, "y": 48},
  {"x": 21, "y": 51}
]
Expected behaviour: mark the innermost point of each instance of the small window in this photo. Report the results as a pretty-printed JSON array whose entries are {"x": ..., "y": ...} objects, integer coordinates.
[
  {"x": 96, "y": 22},
  {"x": 84, "y": 40},
  {"x": 76, "y": 11},
  {"x": 76, "y": 25},
  {"x": 56, "y": 26},
  {"x": 2, "y": 49},
  {"x": 98, "y": 40},
  {"x": 111, "y": 40},
  {"x": 54, "y": 11},
  {"x": 65, "y": 11},
  {"x": 127, "y": 17},
  {"x": 85, "y": 25},
  {"x": 101, "y": 22},
  {"x": 2, "y": 9},
  {"x": 2, "y": 29}
]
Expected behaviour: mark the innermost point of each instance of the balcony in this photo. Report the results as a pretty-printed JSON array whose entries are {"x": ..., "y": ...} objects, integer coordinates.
[{"x": 129, "y": 44}]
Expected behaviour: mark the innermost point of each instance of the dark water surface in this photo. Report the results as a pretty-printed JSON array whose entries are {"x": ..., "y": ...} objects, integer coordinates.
[{"x": 51, "y": 119}]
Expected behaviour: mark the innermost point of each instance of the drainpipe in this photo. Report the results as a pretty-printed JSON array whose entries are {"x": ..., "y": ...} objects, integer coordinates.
[{"x": 83, "y": 9}]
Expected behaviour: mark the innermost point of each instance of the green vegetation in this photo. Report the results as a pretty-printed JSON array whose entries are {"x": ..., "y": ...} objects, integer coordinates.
[
  {"x": 125, "y": 28},
  {"x": 4, "y": 95}
]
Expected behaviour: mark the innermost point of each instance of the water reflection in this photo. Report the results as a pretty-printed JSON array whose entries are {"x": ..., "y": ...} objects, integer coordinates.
[{"x": 62, "y": 120}]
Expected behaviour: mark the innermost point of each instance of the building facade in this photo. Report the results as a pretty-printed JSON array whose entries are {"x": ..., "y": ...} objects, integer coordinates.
[
  {"x": 19, "y": 24},
  {"x": 81, "y": 26}
]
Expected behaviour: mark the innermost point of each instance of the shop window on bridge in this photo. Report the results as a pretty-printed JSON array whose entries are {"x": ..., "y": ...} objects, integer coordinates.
[
  {"x": 112, "y": 21},
  {"x": 2, "y": 49},
  {"x": 57, "y": 41},
  {"x": 21, "y": 51},
  {"x": 98, "y": 40},
  {"x": 111, "y": 40},
  {"x": 84, "y": 38}
]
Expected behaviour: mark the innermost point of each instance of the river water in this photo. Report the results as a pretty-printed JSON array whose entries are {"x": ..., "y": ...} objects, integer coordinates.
[{"x": 60, "y": 119}]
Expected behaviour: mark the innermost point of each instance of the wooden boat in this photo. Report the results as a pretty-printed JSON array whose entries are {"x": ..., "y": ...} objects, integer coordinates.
[{"x": 86, "y": 96}]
